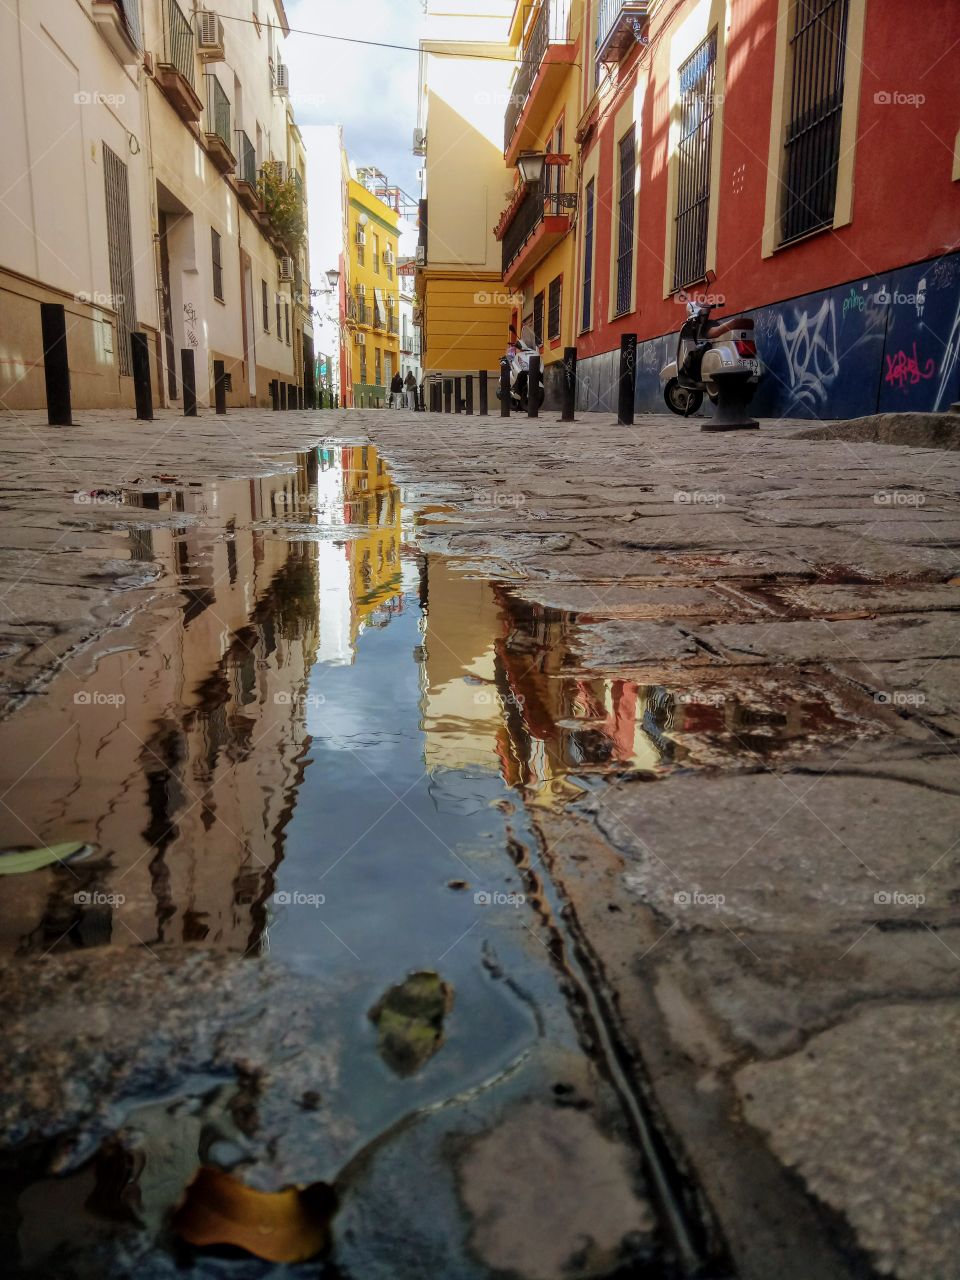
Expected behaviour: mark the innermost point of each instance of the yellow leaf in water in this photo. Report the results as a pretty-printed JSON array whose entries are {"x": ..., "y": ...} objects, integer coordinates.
[{"x": 278, "y": 1226}]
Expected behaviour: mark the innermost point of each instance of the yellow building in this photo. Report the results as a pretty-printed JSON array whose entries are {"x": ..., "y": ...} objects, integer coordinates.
[
  {"x": 464, "y": 309},
  {"x": 372, "y": 307}
]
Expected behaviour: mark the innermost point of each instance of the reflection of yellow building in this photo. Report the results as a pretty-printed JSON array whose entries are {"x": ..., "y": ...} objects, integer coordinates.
[
  {"x": 372, "y": 500},
  {"x": 373, "y": 307}
]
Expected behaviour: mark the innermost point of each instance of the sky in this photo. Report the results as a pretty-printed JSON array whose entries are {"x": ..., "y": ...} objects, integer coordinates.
[{"x": 371, "y": 91}]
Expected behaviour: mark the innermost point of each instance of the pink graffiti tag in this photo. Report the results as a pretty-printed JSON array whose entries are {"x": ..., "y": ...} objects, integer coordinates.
[{"x": 903, "y": 369}]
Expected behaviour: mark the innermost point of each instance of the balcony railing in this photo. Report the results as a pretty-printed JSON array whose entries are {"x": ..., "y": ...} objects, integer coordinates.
[
  {"x": 549, "y": 27},
  {"x": 246, "y": 159},
  {"x": 619, "y": 25},
  {"x": 543, "y": 200},
  {"x": 178, "y": 42},
  {"x": 217, "y": 118}
]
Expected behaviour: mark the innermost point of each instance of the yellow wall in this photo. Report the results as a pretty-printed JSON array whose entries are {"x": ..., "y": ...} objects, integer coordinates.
[{"x": 382, "y": 221}]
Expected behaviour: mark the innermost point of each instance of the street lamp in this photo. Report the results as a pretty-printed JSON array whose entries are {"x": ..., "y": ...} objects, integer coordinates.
[
  {"x": 333, "y": 277},
  {"x": 530, "y": 164}
]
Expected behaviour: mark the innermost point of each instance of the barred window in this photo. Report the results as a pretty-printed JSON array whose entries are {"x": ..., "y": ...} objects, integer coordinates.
[
  {"x": 812, "y": 143},
  {"x": 538, "y": 319},
  {"x": 279, "y": 317},
  {"x": 363, "y": 365},
  {"x": 217, "y": 265},
  {"x": 120, "y": 252},
  {"x": 378, "y": 370},
  {"x": 553, "y": 308},
  {"x": 265, "y": 303},
  {"x": 586, "y": 306},
  {"x": 286, "y": 310},
  {"x": 694, "y": 154},
  {"x": 626, "y": 208}
]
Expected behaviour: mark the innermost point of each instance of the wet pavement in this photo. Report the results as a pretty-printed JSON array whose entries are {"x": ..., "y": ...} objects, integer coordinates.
[{"x": 540, "y": 849}]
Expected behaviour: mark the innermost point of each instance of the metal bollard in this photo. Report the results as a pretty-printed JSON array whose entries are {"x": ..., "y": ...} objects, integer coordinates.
[
  {"x": 484, "y": 390},
  {"x": 505, "y": 390},
  {"x": 274, "y": 394},
  {"x": 569, "y": 384},
  {"x": 282, "y": 388},
  {"x": 628, "y": 379},
  {"x": 56, "y": 367},
  {"x": 140, "y": 355},
  {"x": 188, "y": 376},
  {"x": 533, "y": 388},
  {"x": 468, "y": 402},
  {"x": 447, "y": 394},
  {"x": 220, "y": 386}
]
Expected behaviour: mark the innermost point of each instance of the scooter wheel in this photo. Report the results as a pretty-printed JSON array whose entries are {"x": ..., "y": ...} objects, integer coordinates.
[{"x": 681, "y": 400}]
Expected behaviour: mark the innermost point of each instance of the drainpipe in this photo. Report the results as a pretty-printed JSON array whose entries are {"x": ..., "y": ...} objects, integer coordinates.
[{"x": 143, "y": 82}]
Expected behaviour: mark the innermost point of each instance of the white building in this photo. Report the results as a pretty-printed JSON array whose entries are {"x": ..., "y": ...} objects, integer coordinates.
[
  {"x": 131, "y": 197},
  {"x": 327, "y": 192}
]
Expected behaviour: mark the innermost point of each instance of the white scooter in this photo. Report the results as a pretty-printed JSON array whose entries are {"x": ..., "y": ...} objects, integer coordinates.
[
  {"x": 711, "y": 355},
  {"x": 517, "y": 359}
]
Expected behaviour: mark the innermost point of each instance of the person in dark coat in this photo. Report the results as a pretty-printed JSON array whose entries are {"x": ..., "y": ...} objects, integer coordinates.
[{"x": 396, "y": 391}]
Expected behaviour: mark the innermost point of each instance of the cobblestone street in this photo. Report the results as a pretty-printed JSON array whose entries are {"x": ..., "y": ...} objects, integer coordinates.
[{"x": 734, "y": 660}]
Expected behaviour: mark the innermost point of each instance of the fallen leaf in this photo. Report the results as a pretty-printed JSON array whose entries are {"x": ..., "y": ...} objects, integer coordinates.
[
  {"x": 279, "y": 1226},
  {"x": 409, "y": 1018},
  {"x": 15, "y": 861}
]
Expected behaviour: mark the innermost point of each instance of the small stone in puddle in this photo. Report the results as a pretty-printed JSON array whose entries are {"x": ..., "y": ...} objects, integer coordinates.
[
  {"x": 409, "y": 1018},
  {"x": 458, "y": 884}
]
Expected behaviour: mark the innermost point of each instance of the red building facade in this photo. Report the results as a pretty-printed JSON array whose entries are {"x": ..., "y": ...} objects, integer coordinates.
[{"x": 795, "y": 159}]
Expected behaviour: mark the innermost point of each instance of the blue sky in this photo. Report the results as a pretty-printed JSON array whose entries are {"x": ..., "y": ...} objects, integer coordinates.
[{"x": 372, "y": 92}]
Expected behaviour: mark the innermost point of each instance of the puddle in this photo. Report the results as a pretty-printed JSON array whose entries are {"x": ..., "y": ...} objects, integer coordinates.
[{"x": 311, "y": 752}]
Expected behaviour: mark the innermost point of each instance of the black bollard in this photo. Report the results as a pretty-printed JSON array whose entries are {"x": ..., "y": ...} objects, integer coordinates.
[
  {"x": 336, "y": 400},
  {"x": 291, "y": 395},
  {"x": 435, "y": 395},
  {"x": 457, "y": 394},
  {"x": 220, "y": 386},
  {"x": 188, "y": 376},
  {"x": 447, "y": 393},
  {"x": 628, "y": 379},
  {"x": 483, "y": 393},
  {"x": 533, "y": 388},
  {"x": 282, "y": 387},
  {"x": 505, "y": 390},
  {"x": 56, "y": 367},
  {"x": 140, "y": 355},
  {"x": 274, "y": 394},
  {"x": 468, "y": 403},
  {"x": 569, "y": 384}
]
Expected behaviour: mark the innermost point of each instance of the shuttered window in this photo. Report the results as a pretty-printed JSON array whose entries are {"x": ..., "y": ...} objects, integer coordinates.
[
  {"x": 812, "y": 143},
  {"x": 694, "y": 154},
  {"x": 217, "y": 264},
  {"x": 120, "y": 251},
  {"x": 553, "y": 309},
  {"x": 625, "y": 211},
  {"x": 538, "y": 319},
  {"x": 586, "y": 306},
  {"x": 265, "y": 302}
]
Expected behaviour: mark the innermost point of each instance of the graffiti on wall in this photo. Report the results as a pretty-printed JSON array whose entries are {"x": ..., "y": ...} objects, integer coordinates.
[{"x": 810, "y": 350}]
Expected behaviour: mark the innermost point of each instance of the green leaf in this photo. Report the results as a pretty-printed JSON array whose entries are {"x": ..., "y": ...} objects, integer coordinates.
[{"x": 16, "y": 861}]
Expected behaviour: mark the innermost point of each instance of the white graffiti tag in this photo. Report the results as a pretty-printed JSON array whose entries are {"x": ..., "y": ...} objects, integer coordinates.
[
  {"x": 948, "y": 365},
  {"x": 811, "y": 351}
]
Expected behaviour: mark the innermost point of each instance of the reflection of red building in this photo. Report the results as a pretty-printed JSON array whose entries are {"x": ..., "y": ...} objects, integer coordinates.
[{"x": 756, "y": 152}]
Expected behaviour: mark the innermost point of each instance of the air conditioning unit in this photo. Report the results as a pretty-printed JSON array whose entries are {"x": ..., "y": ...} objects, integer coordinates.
[
  {"x": 277, "y": 168},
  {"x": 362, "y": 289},
  {"x": 421, "y": 258},
  {"x": 209, "y": 36},
  {"x": 281, "y": 79},
  {"x": 360, "y": 339},
  {"x": 286, "y": 270},
  {"x": 419, "y": 142},
  {"x": 388, "y": 257},
  {"x": 361, "y": 236}
]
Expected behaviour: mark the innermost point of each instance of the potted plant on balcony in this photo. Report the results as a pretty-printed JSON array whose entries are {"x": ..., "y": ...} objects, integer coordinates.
[{"x": 284, "y": 209}]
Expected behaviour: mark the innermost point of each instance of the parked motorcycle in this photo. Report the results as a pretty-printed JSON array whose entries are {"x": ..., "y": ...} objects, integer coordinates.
[
  {"x": 710, "y": 354},
  {"x": 517, "y": 360}
]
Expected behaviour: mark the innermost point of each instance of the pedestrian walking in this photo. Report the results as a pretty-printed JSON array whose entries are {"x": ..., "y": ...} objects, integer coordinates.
[
  {"x": 410, "y": 390},
  {"x": 396, "y": 391}
]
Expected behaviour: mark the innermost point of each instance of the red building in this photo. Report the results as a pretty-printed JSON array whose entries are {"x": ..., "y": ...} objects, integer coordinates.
[{"x": 795, "y": 159}]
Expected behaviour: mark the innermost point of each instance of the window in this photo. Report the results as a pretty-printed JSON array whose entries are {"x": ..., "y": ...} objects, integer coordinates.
[
  {"x": 363, "y": 364},
  {"x": 378, "y": 371},
  {"x": 388, "y": 367},
  {"x": 120, "y": 251},
  {"x": 376, "y": 254},
  {"x": 279, "y": 318},
  {"x": 812, "y": 142},
  {"x": 217, "y": 265},
  {"x": 625, "y": 212},
  {"x": 553, "y": 308},
  {"x": 538, "y": 319},
  {"x": 587, "y": 300},
  {"x": 694, "y": 153},
  {"x": 286, "y": 308},
  {"x": 265, "y": 303}
]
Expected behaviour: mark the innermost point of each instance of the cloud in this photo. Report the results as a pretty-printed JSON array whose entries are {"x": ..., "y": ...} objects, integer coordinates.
[{"x": 371, "y": 91}]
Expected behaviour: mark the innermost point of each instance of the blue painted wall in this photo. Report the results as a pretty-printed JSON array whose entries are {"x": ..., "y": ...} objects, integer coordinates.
[{"x": 876, "y": 345}]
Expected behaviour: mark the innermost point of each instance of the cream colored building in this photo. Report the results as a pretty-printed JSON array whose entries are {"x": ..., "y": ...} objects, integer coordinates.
[
  {"x": 131, "y": 196},
  {"x": 465, "y": 70}
]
